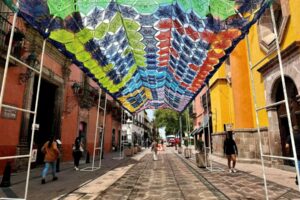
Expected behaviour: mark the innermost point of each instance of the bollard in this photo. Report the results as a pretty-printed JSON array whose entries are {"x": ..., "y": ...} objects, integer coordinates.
[
  {"x": 87, "y": 160},
  {"x": 6, "y": 176}
]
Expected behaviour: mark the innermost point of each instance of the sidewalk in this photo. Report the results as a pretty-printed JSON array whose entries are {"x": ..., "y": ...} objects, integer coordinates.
[
  {"x": 68, "y": 179},
  {"x": 90, "y": 190},
  {"x": 279, "y": 176}
]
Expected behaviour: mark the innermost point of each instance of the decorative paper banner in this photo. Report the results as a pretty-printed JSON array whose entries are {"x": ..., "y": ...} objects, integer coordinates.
[{"x": 146, "y": 54}]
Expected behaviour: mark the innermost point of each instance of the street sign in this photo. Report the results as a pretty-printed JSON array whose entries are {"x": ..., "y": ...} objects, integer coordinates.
[{"x": 34, "y": 155}]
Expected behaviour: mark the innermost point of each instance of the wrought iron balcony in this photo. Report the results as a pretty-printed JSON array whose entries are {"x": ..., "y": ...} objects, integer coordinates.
[
  {"x": 5, "y": 30},
  {"x": 87, "y": 96}
]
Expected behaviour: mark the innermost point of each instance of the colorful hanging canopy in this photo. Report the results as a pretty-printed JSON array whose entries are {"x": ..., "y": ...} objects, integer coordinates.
[{"x": 145, "y": 53}]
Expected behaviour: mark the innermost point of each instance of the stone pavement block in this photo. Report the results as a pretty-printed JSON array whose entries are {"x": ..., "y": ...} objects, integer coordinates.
[
  {"x": 168, "y": 179},
  {"x": 103, "y": 182},
  {"x": 174, "y": 177},
  {"x": 74, "y": 196},
  {"x": 68, "y": 180}
]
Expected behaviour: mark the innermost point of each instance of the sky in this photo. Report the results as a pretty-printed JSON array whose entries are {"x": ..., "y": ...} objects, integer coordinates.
[{"x": 162, "y": 131}]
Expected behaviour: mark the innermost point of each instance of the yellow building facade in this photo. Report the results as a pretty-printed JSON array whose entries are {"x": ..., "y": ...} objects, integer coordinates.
[{"x": 231, "y": 94}]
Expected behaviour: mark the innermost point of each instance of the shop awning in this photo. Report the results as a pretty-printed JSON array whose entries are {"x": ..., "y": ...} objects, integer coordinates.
[
  {"x": 203, "y": 125},
  {"x": 145, "y": 54}
]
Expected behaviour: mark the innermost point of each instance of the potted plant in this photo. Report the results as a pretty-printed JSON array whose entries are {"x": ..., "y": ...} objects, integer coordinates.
[
  {"x": 187, "y": 151},
  {"x": 139, "y": 148},
  {"x": 179, "y": 147},
  {"x": 200, "y": 155},
  {"x": 135, "y": 149},
  {"x": 128, "y": 151}
]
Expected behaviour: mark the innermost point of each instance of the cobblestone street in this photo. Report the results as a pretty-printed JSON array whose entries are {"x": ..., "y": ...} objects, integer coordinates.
[
  {"x": 174, "y": 177},
  {"x": 167, "y": 178},
  {"x": 139, "y": 177}
]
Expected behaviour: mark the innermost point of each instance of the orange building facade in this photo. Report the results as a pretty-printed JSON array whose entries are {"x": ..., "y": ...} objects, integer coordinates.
[{"x": 67, "y": 101}]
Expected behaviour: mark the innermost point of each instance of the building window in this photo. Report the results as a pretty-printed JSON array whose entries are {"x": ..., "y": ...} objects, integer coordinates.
[
  {"x": 204, "y": 102},
  {"x": 265, "y": 25},
  {"x": 228, "y": 70},
  {"x": 1, "y": 76},
  {"x": 4, "y": 16},
  {"x": 3, "y": 7},
  {"x": 113, "y": 137}
]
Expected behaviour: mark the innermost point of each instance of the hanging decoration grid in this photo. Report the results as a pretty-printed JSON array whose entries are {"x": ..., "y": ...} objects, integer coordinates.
[{"x": 145, "y": 54}]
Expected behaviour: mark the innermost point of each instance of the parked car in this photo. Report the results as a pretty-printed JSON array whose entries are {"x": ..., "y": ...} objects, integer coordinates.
[{"x": 171, "y": 142}]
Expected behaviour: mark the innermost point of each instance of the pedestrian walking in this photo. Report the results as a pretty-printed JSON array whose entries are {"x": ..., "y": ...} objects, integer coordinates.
[
  {"x": 231, "y": 151},
  {"x": 154, "y": 150},
  {"x": 51, "y": 154},
  {"x": 149, "y": 143},
  {"x": 288, "y": 145},
  {"x": 77, "y": 152},
  {"x": 162, "y": 144}
]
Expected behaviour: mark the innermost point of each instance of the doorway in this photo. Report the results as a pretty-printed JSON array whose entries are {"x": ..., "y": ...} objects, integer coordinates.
[
  {"x": 113, "y": 140},
  {"x": 45, "y": 116},
  {"x": 82, "y": 133},
  {"x": 282, "y": 114}
]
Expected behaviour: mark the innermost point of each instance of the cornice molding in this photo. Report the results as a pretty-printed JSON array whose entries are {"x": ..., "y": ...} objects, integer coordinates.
[
  {"x": 217, "y": 81},
  {"x": 291, "y": 50}
]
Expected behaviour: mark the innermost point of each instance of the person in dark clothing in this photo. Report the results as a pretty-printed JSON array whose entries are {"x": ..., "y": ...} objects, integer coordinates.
[
  {"x": 288, "y": 145},
  {"x": 231, "y": 151},
  {"x": 77, "y": 152}
]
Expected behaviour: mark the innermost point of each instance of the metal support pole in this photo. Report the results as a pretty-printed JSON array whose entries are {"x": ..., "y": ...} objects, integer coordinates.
[
  {"x": 120, "y": 139},
  {"x": 103, "y": 131},
  {"x": 203, "y": 128},
  {"x": 97, "y": 128},
  {"x": 285, "y": 94},
  {"x": 7, "y": 58},
  {"x": 180, "y": 129},
  {"x": 34, "y": 118},
  {"x": 208, "y": 133},
  {"x": 187, "y": 127},
  {"x": 256, "y": 116}
]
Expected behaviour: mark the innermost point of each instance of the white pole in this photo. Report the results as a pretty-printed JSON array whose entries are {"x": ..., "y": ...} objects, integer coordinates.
[
  {"x": 120, "y": 139},
  {"x": 180, "y": 129},
  {"x": 256, "y": 116},
  {"x": 189, "y": 124},
  {"x": 187, "y": 127},
  {"x": 208, "y": 133},
  {"x": 34, "y": 118},
  {"x": 204, "y": 141},
  {"x": 7, "y": 57},
  {"x": 97, "y": 128},
  {"x": 285, "y": 94},
  {"x": 103, "y": 130}
]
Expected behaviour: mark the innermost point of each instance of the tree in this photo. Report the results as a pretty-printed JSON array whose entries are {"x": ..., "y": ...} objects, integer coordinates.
[{"x": 170, "y": 120}]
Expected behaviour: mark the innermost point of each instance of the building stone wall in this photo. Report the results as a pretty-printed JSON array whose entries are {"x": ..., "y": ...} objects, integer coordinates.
[
  {"x": 247, "y": 141},
  {"x": 291, "y": 68}
]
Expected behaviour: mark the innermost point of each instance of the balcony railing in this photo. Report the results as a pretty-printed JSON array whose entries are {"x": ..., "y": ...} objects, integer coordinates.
[
  {"x": 87, "y": 96},
  {"x": 5, "y": 29}
]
